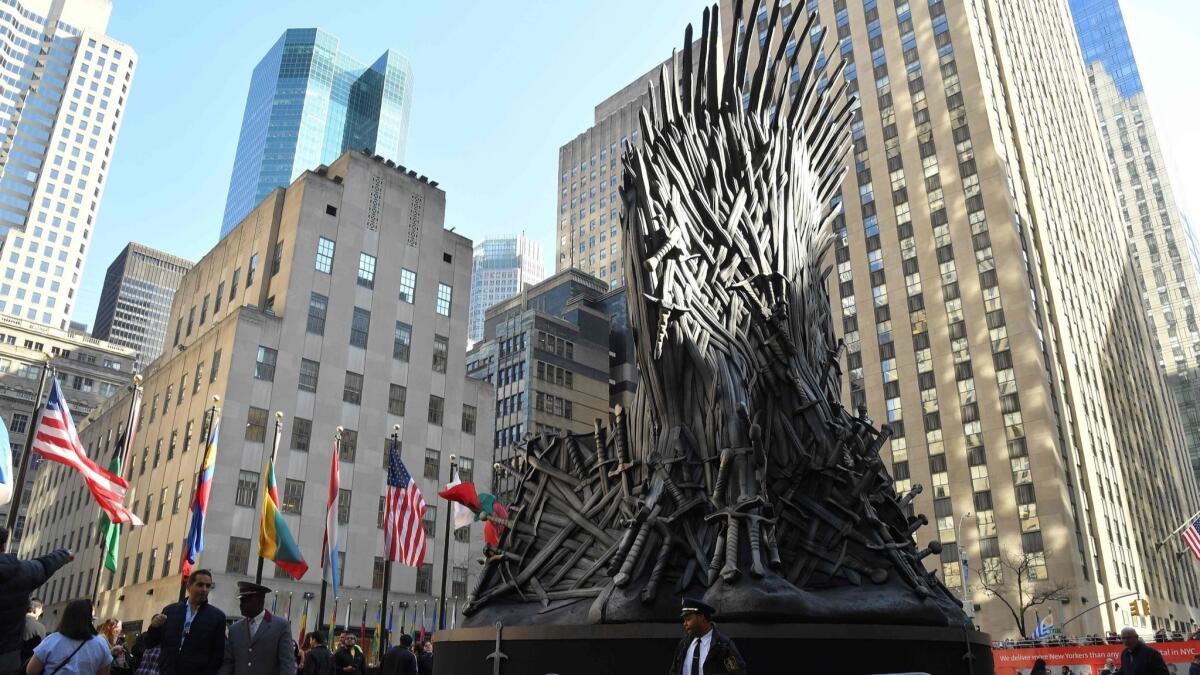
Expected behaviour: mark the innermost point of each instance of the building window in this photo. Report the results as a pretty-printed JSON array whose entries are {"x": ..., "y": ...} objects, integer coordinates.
[
  {"x": 166, "y": 568},
  {"x": 343, "y": 506},
  {"x": 458, "y": 582},
  {"x": 433, "y": 463},
  {"x": 256, "y": 424},
  {"x": 216, "y": 367},
  {"x": 397, "y": 397},
  {"x": 220, "y": 296},
  {"x": 382, "y": 505},
  {"x": 402, "y": 342},
  {"x": 443, "y": 299},
  {"x": 359, "y": 326},
  {"x": 468, "y": 419},
  {"x": 301, "y": 433},
  {"x": 325, "y": 255},
  {"x": 425, "y": 579},
  {"x": 264, "y": 364},
  {"x": 408, "y": 285},
  {"x": 18, "y": 423},
  {"x": 198, "y": 378},
  {"x": 247, "y": 488},
  {"x": 377, "y": 572},
  {"x": 349, "y": 445},
  {"x": 429, "y": 521},
  {"x": 293, "y": 496},
  {"x": 251, "y": 269},
  {"x": 310, "y": 371},
  {"x": 366, "y": 270},
  {"x": 162, "y": 504},
  {"x": 178, "y": 496},
  {"x": 441, "y": 353},
  {"x": 318, "y": 305},
  {"x": 238, "y": 560},
  {"x": 466, "y": 469},
  {"x": 352, "y": 390},
  {"x": 436, "y": 405}
]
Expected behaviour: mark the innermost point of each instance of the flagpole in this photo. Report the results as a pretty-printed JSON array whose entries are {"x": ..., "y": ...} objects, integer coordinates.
[
  {"x": 262, "y": 509},
  {"x": 337, "y": 449},
  {"x": 135, "y": 389},
  {"x": 209, "y": 418},
  {"x": 1177, "y": 530},
  {"x": 446, "y": 544},
  {"x": 387, "y": 563},
  {"x": 14, "y": 507}
]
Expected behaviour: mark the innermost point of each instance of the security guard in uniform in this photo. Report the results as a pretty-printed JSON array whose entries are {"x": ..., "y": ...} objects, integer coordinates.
[
  {"x": 261, "y": 643},
  {"x": 704, "y": 651}
]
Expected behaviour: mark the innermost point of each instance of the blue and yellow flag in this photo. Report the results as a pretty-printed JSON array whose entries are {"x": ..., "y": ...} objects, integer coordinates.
[{"x": 275, "y": 540}]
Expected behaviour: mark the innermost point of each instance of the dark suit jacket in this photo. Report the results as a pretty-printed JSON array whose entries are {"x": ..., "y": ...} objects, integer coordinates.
[
  {"x": 399, "y": 661},
  {"x": 723, "y": 657},
  {"x": 204, "y": 648},
  {"x": 270, "y": 651},
  {"x": 318, "y": 661}
]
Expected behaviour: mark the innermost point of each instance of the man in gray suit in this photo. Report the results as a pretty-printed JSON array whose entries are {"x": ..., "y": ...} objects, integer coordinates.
[{"x": 260, "y": 644}]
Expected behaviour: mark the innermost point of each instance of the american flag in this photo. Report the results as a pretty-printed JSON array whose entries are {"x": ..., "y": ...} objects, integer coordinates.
[
  {"x": 404, "y": 515},
  {"x": 56, "y": 440},
  {"x": 1191, "y": 537}
]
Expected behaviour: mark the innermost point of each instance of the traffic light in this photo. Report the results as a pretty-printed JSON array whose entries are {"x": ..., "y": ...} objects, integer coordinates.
[
  {"x": 1139, "y": 608},
  {"x": 1145, "y": 608},
  {"x": 1133, "y": 608}
]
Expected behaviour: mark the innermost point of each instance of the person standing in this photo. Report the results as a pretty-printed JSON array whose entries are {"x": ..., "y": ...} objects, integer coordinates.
[
  {"x": 34, "y": 631},
  {"x": 1139, "y": 658},
  {"x": 318, "y": 660},
  {"x": 1194, "y": 668},
  {"x": 1039, "y": 668},
  {"x": 147, "y": 649},
  {"x": 1110, "y": 667},
  {"x": 110, "y": 630},
  {"x": 349, "y": 657},
  {"x": 400, "y": 660},
  {"x": 193, "y": 640},
  {"x": 425, "y": 659},
  {"x": 19, "y": 578},
  {"x": 74, "y": 647},
  {"x": 704, "y": 651},
  {"x": 261, "y": 643}
]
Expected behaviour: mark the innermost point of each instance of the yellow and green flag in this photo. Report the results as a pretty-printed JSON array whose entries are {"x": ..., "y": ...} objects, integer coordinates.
[{"x": 275, "y": 540}]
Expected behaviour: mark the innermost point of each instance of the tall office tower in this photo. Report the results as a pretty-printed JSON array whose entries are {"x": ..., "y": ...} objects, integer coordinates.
[
  {"x": 61, "y": 103},
  {"x": 990, "y": 309},
  {"x": 334, "y": 311},
  {"x": 502, "y": 266},
  {"x": 136, "y": 300},
  {"x": 1158, "y": 236},
  {"x": 308, "y": 103},
  {"x": 546, "y": 350},
  {"x": 88, "y": 371}
]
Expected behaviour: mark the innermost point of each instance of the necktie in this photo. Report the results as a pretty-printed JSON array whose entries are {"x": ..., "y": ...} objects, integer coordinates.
[{"x": 696, "y": 657}]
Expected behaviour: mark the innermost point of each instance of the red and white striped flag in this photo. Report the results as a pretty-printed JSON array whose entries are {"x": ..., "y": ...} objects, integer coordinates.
[
  {"x": 1191, "y": 537},
  {"x": 404, "y": 515},
  {"x": 56, "y": 440}
]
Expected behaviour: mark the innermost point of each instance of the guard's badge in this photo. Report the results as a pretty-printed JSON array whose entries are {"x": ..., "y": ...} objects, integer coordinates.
[{"x": 731, "y": 664}]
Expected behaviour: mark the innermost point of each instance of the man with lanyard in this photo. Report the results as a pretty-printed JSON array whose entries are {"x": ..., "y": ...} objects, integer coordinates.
[
  {"x": 704, "y": 651},
  {"x": 193, "y": 638}
]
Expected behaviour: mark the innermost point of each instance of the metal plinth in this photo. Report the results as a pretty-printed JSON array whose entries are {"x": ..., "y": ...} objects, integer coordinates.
[{"x": 633, "y": 649}]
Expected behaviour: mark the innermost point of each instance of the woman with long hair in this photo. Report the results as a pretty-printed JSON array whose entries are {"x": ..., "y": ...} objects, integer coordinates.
[
  {"x": 110, "y": 630},
  {"x": 1039, "y": 668},
  {"x": 74, "y": 648}
]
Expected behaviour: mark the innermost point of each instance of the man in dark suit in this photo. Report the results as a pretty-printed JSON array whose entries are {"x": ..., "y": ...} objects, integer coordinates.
[
  {"x": 704, "y": 651},
  {"x": 400, "y": 660},
  {"x": 261, "y": 643},
  {"x": 193, "y": 641}
]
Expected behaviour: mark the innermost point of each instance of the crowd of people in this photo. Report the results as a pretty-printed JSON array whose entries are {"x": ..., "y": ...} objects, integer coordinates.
[
  {"x": 191, "y": 636},
  {"x": 1110, "y": 638}
]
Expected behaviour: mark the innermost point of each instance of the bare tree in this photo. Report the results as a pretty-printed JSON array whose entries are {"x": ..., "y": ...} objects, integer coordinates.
[{"x": 1019, "y": 588}]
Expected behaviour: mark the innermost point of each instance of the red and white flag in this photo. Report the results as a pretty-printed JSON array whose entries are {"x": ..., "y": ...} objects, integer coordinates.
[
  {"x": 56, "y": 440},
  {"x": 329, "y": 546},
  {"x": 404, "y": 515},
  {"x": 1191, "y": 537}
]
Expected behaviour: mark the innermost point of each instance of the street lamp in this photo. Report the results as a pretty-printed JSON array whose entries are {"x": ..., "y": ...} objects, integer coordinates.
[{"x": 967, "y": 605}]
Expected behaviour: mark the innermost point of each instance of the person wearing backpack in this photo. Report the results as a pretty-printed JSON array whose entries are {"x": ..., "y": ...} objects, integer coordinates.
[{"x": 75, "y": 648}]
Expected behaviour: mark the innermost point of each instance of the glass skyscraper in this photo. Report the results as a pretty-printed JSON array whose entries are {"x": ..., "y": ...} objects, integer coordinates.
[
  {"x": 1159, "y": 238},
  {"x": 64, "y": 89},
  {"x": 136, "y": 301},
  {"x": 308, "y": 103},
  {"x": 501, "y": 268}
]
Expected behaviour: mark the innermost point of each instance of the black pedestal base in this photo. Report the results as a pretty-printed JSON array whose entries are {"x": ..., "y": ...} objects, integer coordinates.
[{"x": 634, "y": 649}]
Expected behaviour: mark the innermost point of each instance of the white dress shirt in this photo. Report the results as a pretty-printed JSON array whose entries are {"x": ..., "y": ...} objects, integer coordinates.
[
  {"x": 705, "y": 643},
  {"x": 255, "y": 622}
]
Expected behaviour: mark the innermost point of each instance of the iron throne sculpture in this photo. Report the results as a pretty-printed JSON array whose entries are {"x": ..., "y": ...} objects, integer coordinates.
[{"x": 736, "y": 474}]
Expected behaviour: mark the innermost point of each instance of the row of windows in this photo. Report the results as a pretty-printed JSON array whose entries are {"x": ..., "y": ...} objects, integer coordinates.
[{"x": 366, "y": 276}]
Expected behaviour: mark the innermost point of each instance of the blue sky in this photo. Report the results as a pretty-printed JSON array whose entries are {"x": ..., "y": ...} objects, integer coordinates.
[{"x": 499, "y": 87}]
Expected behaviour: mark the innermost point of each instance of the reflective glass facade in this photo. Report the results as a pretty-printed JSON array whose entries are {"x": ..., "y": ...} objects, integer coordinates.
[
  {"x": 1162, "y": 249},
  {"x": 500, "y": 269},
  {"x": 309, "y": 102}
]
